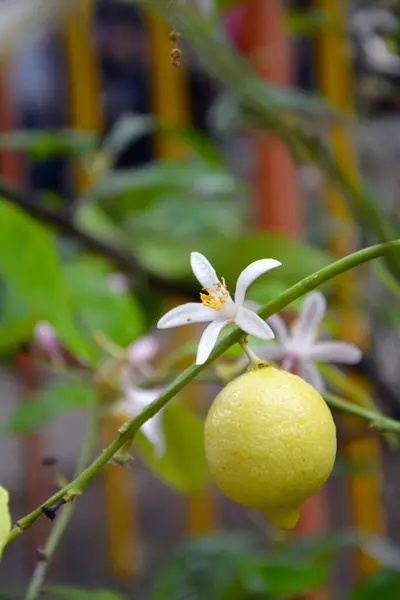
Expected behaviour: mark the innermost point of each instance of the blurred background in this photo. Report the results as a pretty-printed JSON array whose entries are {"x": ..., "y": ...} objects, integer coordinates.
[{"x": 265, "y": 128}]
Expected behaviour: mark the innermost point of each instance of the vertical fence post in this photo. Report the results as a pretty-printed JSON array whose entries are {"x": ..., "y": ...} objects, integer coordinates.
[
  {"x": 85, "y": 113},
  {"x": 275, "y": 192},
  {"x": 335, "y": 82},
  {"x": 170, "y": 104}
]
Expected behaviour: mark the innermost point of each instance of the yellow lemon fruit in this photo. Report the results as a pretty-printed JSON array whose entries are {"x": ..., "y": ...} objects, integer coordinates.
[{"x": 270, "y": 442}]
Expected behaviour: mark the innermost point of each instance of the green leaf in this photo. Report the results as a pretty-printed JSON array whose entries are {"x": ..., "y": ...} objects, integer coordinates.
[
  {"x": 265, "y": 575},
  {"x": 183, "y": 466},
  {"x": 37, "y": 411},
  {"x": 305, "y": 23},
  {"x": 5, "y": 518},
  {"x": 203, "y": 568},
  {"x": 188, "y": 219},
  {"x": 16, "y": 320},
  {"x": 98, "y": 307},
  {"x": 71, "y": 593},
  {"x": 384, "y": 584},
  {"x": 229, "y": 257},
  {"x": 126, "y": 130},
  {"x": 137, "y": 188},
  {"x": 45, "y": 144},
  {"x": 385, "y": 277},
  {"x": 29, "y": 264}
]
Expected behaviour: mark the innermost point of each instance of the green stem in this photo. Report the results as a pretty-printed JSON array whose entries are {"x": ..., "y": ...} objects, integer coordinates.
[
  {"x": 64, "y": 518},
  {"x": 296, "y": 291},
  {"x": 384, "y": 424}
]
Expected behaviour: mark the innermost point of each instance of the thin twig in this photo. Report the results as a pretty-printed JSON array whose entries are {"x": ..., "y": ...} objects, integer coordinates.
[
  {"x": 46, "y": 555},
  {"x": 280, "y": 302},
  {"x": 377, "y": 420},
  {"x": 123, "y": 259}
]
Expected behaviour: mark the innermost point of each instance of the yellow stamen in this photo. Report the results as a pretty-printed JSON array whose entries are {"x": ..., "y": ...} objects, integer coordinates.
[{"x": 215, "y": 296}]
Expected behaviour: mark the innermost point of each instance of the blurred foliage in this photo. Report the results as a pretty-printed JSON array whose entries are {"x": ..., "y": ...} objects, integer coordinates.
[
  {"x": 70, "y": 593},
  {"x": 384, "y": 584},
  {"x": 38, "y": 410},
  {"x": 183, "y": 466}
]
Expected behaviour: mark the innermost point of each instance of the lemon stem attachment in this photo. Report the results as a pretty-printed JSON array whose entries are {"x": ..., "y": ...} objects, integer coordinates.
[{"x": 255, "y": 361}]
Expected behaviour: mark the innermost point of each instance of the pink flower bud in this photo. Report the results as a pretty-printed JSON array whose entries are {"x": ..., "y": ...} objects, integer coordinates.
[{"x": 45, "y": 337}]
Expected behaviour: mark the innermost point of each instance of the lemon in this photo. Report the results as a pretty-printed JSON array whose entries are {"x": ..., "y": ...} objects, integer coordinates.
[{"x": 270, "y": 442}]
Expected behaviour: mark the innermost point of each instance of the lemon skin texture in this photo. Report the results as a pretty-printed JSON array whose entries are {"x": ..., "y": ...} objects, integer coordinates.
[{"x": 270, "y": 442}]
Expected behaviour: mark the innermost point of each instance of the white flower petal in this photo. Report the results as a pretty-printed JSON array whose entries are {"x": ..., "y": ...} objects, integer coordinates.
[
  {"x": 250, "y": 274},
  {"x": 279, "y": 328},
  {"x": 336, "y": 352},
  {"x": 288, "y": 364},
  {"x": 310, "y": 373},
  {"x": 192, "y": 312},
  {"x": 203, "y": 270},
  {"x": 209, "y": 339},
  {"x": 135, "y": 400},
  {"x": 305, "y": 330},
  {"x": 251, "y": 323},
  {"x": 142, "y": 350},
  {"x": 153, "y": 430},
  {"x": 270, "y": 351}
]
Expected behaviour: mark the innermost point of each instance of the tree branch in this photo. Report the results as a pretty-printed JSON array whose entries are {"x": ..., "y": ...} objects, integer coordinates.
[
  {"x": 376, "y": 420},
  {"x": 280, "y": 302},
  {"x": 63, "y": 520},
  {"x": 122, "y": 259}
]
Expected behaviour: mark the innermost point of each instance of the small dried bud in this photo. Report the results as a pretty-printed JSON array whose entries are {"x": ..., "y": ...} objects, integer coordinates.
[
  {"x": 176, "y": 54},
  {"x": 174, "y": 36}
]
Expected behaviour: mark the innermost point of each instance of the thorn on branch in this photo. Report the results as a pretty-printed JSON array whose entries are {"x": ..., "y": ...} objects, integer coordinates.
[
  {"x": 49, "y": 461},
  {"x": 51, "y": 511},
  {"x": 41, "y": 555}
]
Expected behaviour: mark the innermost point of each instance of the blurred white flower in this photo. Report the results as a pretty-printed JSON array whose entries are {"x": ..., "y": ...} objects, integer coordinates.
[
  {"x": 118, "y": 282},
  {"x": 139, "y": 354},
  {"x": 45, "y": 337},
  {"x": 217, "y": 305},
  {"x": 298, "y": 348},
  {"x": 134, "y": 400}
]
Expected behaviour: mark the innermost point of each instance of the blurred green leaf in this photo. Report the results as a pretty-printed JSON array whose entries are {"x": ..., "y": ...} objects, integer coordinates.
[
  {"x": 187, "y": 218},
  {"x": 45, "y": 144},
  {"x": 38, "y": 410},
  {"x": 29, "y": 264},
  {"x": 197, "y": 141},
  {"x": 136, "y": 188},
  {"x": 203, "y": 568},
  {"x": 305, "y": 23},
  {"x": 92, "y": 219},
  {"x": 385, "y": 277},
  {"x": 127, "y": 129},
  {"x": 231, "y": 256},
  {"x": 5, "y": 518},
  {"x": 97, "y": 305},
  {"x": 224, "y": 566},
  {"x": 16, "y": 319},
  {"x": 384, "y": 585},
  {"x": 72, "y": 593},
  {"x": 268, "y": 576},
  {"x": 183, "y": 466}
]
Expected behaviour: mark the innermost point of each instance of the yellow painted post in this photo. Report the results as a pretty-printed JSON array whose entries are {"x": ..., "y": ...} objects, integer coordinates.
[
  {"x": 336, "y": 83},
  {"x": 85, "y": 113},
  {"x": 170, "y": 104}
]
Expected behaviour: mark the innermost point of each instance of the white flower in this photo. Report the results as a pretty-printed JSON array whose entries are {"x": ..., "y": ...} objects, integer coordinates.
[
  {"x": 139, "y": 354},
  {"x": 45, "y": 337},
  {"x": 136, "y": 399},
  {"x": 298, "y": 348},
  {"x": 217, "y": 305}
]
